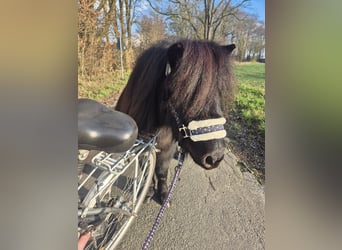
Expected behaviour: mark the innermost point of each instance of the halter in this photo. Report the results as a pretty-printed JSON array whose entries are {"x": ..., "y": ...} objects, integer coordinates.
[{"x": 202, "y": 130}]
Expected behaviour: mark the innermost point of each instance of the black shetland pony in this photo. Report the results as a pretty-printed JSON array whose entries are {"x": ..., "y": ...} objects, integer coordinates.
[{"x": 186, "y": 79}]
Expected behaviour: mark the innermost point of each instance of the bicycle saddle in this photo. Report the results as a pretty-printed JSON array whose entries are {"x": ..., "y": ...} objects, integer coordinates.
[{"x": 104, "y": 129}]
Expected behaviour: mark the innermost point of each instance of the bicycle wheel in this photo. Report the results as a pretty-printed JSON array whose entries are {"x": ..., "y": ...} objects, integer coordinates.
[{"x": 126, "y": 192}]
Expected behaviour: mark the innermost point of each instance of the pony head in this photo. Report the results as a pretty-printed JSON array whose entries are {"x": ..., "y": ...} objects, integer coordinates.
[
  {"x": 186, "y": 81},
  {"x": 198, "y": 76}
]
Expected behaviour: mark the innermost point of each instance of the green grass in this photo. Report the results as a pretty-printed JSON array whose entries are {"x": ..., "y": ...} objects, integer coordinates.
[
  {"x": 246, "y": 119},
  {"x": 250, "y": 98},
  {"x": 103, "y": 87},
  {"x": 251, "y": 73}
]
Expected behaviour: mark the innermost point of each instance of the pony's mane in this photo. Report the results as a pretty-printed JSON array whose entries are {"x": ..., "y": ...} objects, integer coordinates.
[
  {"x": 140, "y": 96},
  {"x": 201, "y": 75}
]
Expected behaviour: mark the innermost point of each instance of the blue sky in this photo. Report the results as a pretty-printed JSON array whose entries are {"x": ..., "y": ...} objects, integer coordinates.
[{"x": 257, "y": 7}]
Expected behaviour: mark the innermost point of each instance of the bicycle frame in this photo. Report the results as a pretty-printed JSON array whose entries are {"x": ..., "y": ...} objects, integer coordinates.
[
  {"x": 114, "y": 167},
  {"x": 111, "y": 166}
]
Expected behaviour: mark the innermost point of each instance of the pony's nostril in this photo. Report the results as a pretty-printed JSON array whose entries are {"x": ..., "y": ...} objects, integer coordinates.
[
  {"x": 209, "y": 160},
  {"x": 212, "y": 161}
]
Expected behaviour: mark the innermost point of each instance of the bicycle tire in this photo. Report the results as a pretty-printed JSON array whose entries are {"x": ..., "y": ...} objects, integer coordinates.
[{"x": 113, "y": 239}]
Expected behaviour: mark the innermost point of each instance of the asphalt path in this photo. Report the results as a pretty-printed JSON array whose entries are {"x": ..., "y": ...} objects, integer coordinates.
[{"x": 216, "y": 209}]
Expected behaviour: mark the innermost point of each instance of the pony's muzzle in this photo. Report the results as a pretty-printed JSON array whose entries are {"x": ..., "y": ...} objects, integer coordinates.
[{"x": 212, "y": 160}]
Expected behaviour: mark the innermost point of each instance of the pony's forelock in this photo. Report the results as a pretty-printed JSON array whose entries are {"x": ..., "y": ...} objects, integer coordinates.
[{"x": 202, "y": 74}]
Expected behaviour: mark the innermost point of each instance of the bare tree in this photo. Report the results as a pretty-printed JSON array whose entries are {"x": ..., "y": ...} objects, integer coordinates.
[
  {"x": 91, "y": 32},
  {"x": 257, "y": 42},
  {"x": 124, "y": 16},
  {"x": 151, "y": 29},
  {"x": 101, "y": 25},
  {"x": 249, "y": 35},
  {"x": 203, "y": 16}
]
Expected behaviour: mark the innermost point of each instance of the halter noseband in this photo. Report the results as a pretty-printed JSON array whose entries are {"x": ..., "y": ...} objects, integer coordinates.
[{"x": 202, "y": 130}]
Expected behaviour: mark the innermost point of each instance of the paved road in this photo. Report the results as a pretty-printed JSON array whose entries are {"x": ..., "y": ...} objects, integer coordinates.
[{"x": 216, "y": 209}]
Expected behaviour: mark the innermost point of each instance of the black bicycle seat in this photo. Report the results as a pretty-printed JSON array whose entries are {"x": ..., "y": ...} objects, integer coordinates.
[{"x": 101, "y": 128}]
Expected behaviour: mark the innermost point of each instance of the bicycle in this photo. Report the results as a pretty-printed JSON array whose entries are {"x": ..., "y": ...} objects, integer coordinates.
[{"x": 112, "y": 185}]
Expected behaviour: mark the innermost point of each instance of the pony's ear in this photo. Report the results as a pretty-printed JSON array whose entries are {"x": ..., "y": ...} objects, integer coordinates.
[
  {"x": 174, "y": 54},
  {"x": 230, "y": 48}
]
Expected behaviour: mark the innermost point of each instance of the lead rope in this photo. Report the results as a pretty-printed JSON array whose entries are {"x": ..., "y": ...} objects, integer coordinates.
[{"x": 178, "y": 168}]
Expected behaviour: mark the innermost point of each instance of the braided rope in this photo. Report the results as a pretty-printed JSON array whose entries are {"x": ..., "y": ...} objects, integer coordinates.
[{"x": 150, "y": 236}]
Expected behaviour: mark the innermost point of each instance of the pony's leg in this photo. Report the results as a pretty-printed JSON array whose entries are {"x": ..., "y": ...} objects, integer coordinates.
[
  {"x": 162, "y": 167},
  {"x": 151, "y": 191},
  {"x": 166, "y": 149}
]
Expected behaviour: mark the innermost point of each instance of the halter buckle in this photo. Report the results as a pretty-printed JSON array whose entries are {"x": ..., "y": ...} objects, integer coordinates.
[{"x": 184, "y": 131}]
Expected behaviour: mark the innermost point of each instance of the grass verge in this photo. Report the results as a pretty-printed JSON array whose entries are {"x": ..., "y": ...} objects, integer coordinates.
[
  {"x": 103, "y": 88},
  {"x": 246, "y": 119}
]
